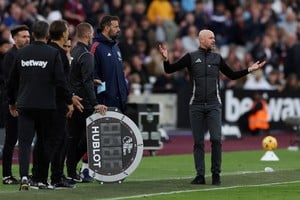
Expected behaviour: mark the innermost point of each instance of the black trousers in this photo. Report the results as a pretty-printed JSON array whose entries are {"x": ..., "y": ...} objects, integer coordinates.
[
  {"x": 206, "y": 117},
  {"x": 41, "y": 122},
  {"x": 77, "y": 144},
  {"x": 11, "y": 137},
  {"x": 58, "y": 160}
]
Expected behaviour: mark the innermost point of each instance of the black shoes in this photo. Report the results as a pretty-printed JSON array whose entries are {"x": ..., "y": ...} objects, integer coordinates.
[
  {"x": 10, "y": 180},
  {"x": 216, "y": 179},
  {"x": 198, "y": 180},
  {"x": 41, "y": 186},
  {"x": 63, "y": 184},
  {"x": 74, "y": 179}
]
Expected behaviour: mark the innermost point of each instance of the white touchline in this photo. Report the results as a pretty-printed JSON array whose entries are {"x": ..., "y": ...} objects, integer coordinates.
[
  {"x": 223, "y": 174},
  {"x": 201, "y": 190}
]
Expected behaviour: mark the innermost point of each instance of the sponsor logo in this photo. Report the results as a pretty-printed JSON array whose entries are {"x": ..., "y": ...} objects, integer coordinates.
[
  {"x": 279, "y": 108},
  {"x": 198, "y": 60},
  {"x": 34, "y": 63}
]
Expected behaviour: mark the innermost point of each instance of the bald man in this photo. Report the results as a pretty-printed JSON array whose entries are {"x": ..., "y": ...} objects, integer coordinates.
[{"x": 205, "y": 106}]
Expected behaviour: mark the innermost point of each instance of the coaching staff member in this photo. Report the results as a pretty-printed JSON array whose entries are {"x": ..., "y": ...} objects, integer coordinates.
[
  {"x": 59, "y": 35},
  {"x": 36, "y": 73},
  {"x": 21, "y": 37},
  {"x": 205, "y": 104},
  {"x": 82, "y": 84},
  {"x": 108, "y": 64}
]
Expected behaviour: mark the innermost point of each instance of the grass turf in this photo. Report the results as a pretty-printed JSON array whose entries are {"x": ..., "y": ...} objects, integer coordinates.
[{"x": 168, "y": 177}]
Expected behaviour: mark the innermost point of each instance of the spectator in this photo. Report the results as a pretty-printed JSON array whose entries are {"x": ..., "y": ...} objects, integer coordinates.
[
  {"x": 221, "y": 23},
  {"x": 179, "y": 13},
  {"x": 128, "y": 44},
  {"x": 161, "y": 9},
  {"x": 190, "y": 42},
  {"x": 274, "y": 78},
  {"x": 146, "y": 32},
  {"x": 73, "y": 12},
  {"x": 165, "y": 83},
  {"x": 14, "y": 16},
  {"x": 127, "y": 14},
  {"x": 292, "y": 59},
  {"x": 115, "y": 7},
  {"x": 186, "y": 23},
  {"x": 142, "y": 51},
  {"x": 30, "y": 14},
  {"x": 265, "y": 51},
  {"x": 139, "y": 11},
  {"x": 289, "y": 25},
  {"x": 257, "y": 81},
  {"x": 188, "y": 5},
  {"x": 255, "y": 121},
  {"x": 236, "y": 64},
  {"x": 292, "y": 84},
  {"x": 201, "y": 17},
  {"x": 239, "y": 28},
  {"x": 93, "y": 9},
  {"x": 254, "y": 26},
  {"x": 160, "y": 32},
  {"x": 138, "y": 68}
]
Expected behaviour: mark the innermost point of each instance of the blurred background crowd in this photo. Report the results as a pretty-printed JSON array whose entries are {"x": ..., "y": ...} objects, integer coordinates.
[{"x": 245, "y": 31}]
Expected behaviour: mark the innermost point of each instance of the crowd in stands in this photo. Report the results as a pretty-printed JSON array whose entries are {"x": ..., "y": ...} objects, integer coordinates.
[{"x": 245, "y": 31}]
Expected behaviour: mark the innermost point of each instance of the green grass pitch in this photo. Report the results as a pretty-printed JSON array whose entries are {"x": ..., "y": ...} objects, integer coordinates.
[{"x": 168, "y": 177}]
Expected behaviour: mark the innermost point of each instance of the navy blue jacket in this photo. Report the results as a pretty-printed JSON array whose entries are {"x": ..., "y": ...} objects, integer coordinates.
[{"x": 109, "y": 69}]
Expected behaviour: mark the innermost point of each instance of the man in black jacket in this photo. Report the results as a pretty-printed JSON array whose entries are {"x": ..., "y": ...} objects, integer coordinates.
[
  {"x": 82, "y": 84},
  {"x": 21, "y": 37},
  {"x": 205, "y": 104},
  {"x": 36, "y": 74},
  {"x": 59, "y": 34}
]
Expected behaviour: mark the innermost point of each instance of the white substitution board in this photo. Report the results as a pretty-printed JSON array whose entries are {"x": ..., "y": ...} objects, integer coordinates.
[{"x": 115, "y": 146}]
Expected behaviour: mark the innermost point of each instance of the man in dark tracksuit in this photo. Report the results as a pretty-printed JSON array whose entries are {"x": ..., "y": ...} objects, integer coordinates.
[
  {"x": 82, "y": 84},
  {"x": 36, "y": 73},
  {"x": 205, "y": 104},
  {"x": 108, "y": 64},
  {"x": 59, "y": 34},
  {"x": 21, "y": 37}
]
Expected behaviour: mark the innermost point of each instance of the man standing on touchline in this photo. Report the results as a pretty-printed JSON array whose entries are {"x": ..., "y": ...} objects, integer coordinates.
[{"x": 205, "y": 107}]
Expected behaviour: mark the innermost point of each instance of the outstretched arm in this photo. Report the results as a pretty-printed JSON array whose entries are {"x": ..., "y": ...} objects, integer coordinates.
[
  {"x": 163, "y": 51},
  {"x": 257, "y": 65},
  {"x": 233, "y": 75},
  {"x": 181, "y": 63}
]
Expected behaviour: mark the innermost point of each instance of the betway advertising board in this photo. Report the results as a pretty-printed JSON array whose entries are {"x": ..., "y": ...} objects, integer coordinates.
[{"x": 280, "y": 105}]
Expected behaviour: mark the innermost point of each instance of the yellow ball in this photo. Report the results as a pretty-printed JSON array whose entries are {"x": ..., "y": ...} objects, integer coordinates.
[{"x": 269, "y": 143}]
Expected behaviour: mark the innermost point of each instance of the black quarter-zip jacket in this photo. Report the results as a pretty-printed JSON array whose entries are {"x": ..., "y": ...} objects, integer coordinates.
[
  {"x": 204, "y": 67},
  {"x": 36, "y": 73},
  {"x": 82, "y": 75}
]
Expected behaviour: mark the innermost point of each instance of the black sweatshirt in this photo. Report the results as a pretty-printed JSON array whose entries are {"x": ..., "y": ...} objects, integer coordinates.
[
  {"x": 204, "y": 67},
  {"x": 82, "y": 75},
  {"x": 36, "y": 73}
]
